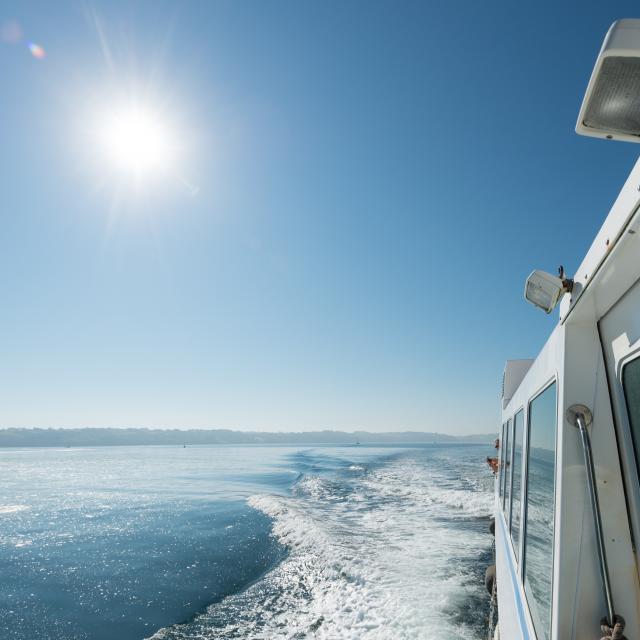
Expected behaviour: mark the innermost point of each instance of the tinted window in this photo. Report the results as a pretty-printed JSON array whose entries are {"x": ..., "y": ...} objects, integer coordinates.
[
  {"x": 501, "y": 480},
  {"x": 507, "y": 465},
  {"x": 538, "y": 532},
  {"x": 516, "y": 492},
  {"x": 631, "y": 384}
]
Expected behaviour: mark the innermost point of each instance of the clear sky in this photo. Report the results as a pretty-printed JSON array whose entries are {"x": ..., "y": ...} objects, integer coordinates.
[{"x": 357, "y": 194}]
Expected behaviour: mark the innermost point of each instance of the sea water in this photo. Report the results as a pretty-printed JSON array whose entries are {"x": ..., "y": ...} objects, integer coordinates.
[{"x": 176, "y": 543}]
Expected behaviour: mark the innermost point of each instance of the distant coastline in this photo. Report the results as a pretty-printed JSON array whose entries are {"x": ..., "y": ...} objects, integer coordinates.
[{"x": 14, "y": 437}]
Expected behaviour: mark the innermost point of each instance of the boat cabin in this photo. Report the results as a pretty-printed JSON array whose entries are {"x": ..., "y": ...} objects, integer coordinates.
[
  {"x": 548, "y": 575},
  {"x": 567, "y": 500}
]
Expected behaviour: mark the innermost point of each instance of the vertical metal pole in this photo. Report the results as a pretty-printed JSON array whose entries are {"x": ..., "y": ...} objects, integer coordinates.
[{"x": 580, "y": 422}]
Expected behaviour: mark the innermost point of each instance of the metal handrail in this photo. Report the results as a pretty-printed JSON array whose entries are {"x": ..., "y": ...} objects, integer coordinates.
[{"x": 581, "y": 417}]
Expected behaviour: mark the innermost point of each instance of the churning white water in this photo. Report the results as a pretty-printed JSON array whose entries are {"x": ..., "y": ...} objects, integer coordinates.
[{"x": 390, "y": 548}]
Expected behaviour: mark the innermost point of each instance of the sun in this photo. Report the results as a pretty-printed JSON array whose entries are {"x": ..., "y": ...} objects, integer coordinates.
[{"x": 137, "y": 140}]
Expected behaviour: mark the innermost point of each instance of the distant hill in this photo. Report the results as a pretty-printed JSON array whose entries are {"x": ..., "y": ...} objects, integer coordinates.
[{"x": 117, "y": 437}]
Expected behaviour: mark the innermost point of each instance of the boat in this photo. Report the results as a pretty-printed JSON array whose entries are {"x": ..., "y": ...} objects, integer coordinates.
[{"x": 567, "y": 488}]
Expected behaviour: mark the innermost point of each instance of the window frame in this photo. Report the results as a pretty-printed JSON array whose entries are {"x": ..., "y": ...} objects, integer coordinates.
[
  {"x": 525, "y": 497},
  {"x": 629, "y": 460}
]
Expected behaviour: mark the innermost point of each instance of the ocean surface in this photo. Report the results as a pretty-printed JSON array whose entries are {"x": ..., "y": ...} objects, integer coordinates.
[{"x": 174, "y": 543}]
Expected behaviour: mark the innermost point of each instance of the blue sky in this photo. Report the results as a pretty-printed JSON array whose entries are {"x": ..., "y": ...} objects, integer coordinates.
[{"x": 375, "y": 180}]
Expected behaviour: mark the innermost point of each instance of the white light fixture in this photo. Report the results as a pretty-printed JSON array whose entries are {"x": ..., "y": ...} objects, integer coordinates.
[
  {"x": 611, "y": 105},
  {"x": 544, "y": 290}
]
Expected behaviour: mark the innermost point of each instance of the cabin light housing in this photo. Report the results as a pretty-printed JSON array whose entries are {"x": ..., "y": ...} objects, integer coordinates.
[
  {"x": 544, "y": 290},
  {"x": 611, "y": 105}
]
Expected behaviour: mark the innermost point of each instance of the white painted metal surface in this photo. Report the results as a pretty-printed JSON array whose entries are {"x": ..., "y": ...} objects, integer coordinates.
[
  {"x": 514, "y": 372},
  {"x": 620, "y": 330}
]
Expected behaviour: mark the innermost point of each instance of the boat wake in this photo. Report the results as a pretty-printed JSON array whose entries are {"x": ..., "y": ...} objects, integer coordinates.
[{"x": 390, "y": 550}]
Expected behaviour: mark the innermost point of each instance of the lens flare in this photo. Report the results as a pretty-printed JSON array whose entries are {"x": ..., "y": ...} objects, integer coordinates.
[
  {"x": 11, "y": 32},
  {"x": 37, "y": 51}
]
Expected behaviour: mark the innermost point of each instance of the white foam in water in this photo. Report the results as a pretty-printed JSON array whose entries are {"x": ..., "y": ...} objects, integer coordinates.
[{"x": 388, "y": 554}]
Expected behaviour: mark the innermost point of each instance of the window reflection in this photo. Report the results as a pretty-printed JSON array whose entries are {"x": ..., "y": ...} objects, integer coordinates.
[
  {"x": 631, "y": 384},
  {"x": 502, "y": 449},
  {"x": 507, "y": 472},
  {"x": 538, "y": 556},
  {"x": 518, "y": 433}
]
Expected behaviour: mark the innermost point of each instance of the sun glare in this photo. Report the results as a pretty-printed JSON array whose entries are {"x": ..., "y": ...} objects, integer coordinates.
[{"x": 137, "y": 140}]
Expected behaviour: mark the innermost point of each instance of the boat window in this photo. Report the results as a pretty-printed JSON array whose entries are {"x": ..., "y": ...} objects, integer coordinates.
[
  {"x": 501, "y": 478},
  {"x": 538, "y": 530},
  {"x": 507, "y": 470},
  {"x": 631, "y": 386},
  {"x": 516, "y": 491}
]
